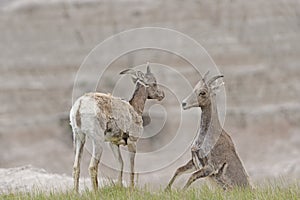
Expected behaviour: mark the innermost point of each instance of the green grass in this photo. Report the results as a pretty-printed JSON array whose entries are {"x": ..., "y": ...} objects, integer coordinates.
[{"x": 272, "y": 192}]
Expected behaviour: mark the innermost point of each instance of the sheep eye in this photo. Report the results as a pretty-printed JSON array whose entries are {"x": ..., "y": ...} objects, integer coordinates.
[{"x": 202, "y": 93}]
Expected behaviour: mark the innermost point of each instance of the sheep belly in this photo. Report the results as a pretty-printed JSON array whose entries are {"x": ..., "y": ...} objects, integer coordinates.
[{"x": 114, "y": 134}]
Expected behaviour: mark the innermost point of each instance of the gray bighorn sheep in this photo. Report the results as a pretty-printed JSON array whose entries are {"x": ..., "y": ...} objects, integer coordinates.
[
  {"x": 103, "y": 117},
  {"x": 213, "y": 152}
]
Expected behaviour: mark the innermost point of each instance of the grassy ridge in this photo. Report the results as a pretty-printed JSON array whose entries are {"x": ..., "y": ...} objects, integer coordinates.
[{"x": 114, "y": 192}]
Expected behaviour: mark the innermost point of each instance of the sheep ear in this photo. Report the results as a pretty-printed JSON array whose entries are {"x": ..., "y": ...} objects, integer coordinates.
[
  {"x": 216, "y": 85},
  {"x": 148, "y": 68},
  {"x": 140, "y": 75},
  {"x": 213, "y": 79},
  {"x": 205, "y": 76}
]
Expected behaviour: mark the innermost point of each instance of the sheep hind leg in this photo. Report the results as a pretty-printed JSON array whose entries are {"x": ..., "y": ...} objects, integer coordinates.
[
  {"x": 219, "y": 177},
  {"x": 79, "y": 141},
  {"x": 93, "y": 167},
  {"x": 187, "y": 168},
  {"x": 204, "y": 172},
  {"x": 117, "y": 153},
  {"x": 132, "y": 150}
]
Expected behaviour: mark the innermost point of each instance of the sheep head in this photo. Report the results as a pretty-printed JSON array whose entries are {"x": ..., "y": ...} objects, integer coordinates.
[
  {"x": 202, "y": 93},
  {"x": 148, "y": 80}
]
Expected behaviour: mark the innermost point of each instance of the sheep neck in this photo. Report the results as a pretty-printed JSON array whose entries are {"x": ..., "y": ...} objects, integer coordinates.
[
  {"x": 210, "y": 127},
  {"x": 139, "y": 98}
]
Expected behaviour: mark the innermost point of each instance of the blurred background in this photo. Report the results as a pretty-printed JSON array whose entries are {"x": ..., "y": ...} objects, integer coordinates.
[{"x": 255, "y": 44}]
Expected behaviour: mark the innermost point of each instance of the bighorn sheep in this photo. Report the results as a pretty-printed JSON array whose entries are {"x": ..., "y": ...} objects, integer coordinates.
[
  {"x": 213, "y": 152},
  {"x": 103, "y": 117}
]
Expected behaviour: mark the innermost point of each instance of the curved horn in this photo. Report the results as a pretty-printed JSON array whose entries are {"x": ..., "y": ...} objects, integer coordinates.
[
  {"x": 213, "y": 79},
  {"x": 128, "y": 71},
  {"x": 136, "y": 75}
]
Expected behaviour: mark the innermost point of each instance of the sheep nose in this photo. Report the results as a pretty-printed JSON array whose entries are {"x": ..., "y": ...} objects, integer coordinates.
[{"x": 183, "y": 104}]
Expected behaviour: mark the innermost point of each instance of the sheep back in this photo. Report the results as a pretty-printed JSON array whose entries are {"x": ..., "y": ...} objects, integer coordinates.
[{"x": 114, "y": 108}]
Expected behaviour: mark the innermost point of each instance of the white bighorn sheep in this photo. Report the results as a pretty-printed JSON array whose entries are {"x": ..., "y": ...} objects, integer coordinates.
[
  {"x": 213, "y": 152},
  {"x": 103, "y": 117}
]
